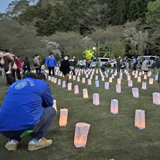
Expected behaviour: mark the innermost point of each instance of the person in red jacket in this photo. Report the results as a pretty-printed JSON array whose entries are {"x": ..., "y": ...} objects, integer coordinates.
[{"x": 18, "y": 67}]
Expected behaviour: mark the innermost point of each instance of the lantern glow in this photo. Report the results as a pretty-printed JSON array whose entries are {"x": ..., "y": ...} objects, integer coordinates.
[
  {"x": 140, "y": 119},
  {"x": 63, "y": 117}
]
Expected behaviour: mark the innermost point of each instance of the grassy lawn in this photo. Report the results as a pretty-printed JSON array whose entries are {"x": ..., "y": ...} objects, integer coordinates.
[{"x": 110, "y": 136}]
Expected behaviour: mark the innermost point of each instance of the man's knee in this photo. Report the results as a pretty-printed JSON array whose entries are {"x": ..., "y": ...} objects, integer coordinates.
[{"x": 50, "y": 111}]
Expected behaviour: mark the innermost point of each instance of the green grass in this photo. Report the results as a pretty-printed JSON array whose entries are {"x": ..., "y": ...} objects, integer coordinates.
[{"x": 110, "y": 136}]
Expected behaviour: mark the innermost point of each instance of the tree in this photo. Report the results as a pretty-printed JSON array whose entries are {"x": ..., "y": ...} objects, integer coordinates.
[
  {"x": 153, "y": 14},
  {"x": 89, "y": 54}
]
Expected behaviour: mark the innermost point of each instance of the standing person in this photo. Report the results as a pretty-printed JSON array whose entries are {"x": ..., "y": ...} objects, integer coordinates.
[
  {"x": 103, "y": 69},
  {"x": 145, "y": 64},
  {"x": 73, "y": 64},
  {"x": 127, "y": 63},
  {"x": 51, "y": 63},
  {"x": 134, "y": 63},
  {"x": 26, "y": 65},
  {"x": 65, "y": 68},
  {"x": 37, "y": 64},
  {"x": 118, "y": 64},
  {"x": 157, "y": 63},
  {"x": 18, "y": 68},
  {"x": 33, "y": 113}
]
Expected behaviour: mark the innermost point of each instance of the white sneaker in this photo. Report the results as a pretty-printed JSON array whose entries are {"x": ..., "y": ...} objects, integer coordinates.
[{"x": 8, "y": 72}]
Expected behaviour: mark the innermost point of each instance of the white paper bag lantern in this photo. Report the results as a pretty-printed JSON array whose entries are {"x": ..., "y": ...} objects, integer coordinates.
[
  {"x": 106, "y": 85},
  {"x": 149, "y": 74},
  {"x": 107, "y": 70},
  {"x": 61, "y": 74},
  {"x": 85, "y": 93},
  {"x": 49, "y": 78},
  {"x": 112, "y": 76},
  {"x": 97, "y": 83},
  {"x": 69, "y": 86},
  {"x": 114, "y": 106},
  {"x": 133, "y": 73},
  {"x": 74, "y": 78},
  {"x": 136, "y": 75},
  {"x": 130, "y": 83},
  {"x": 52, "y": 79},
  {"x": 64, "y": 84},
  {"x": 135, "y": 92},
  {"x": 102, "y": 78},
  {"x": 139, "y": 79},
  {"x": 96, "y": 71},
  {"x": 78, "y": 79},
  {"x": 106, "y": 75},
  {"x": 81, "y": 134},
  {"x": 156, "y": 77},
  {"x": 110, "y": 80},
  {"x": 118, "y": 88},
  {"x": 83, "y": 80},
  {"x": 111, "y": 70},
  {"x": 145, "y": 76},
  {"x": 63, "y": 117},
  {"x": 89, "y": 82},
  {"x": 96, "y": 99},
  {"x": 76, "y": 89},
  {"x": 129, "y": 78},
  {"x": 119, "y": 81},
  {"x": 86, "y": 75},
  {"x": 136, "y": 71},
  {"x": 156, "y": 98},
  {"x": 55, "y": 80},
  {"x": 91, "y": 76},
  {"x": 140, "y": 73},
  {"x": 96, "y": 77},
  {"x": 59, "y": 82},
  {"x": 151, "y": 81},
  {"x": 144, "y": 85},
  {"x": 140, "y": 119}
]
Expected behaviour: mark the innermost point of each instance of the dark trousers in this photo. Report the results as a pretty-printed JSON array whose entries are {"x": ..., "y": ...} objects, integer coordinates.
[
  {"x": 51, "y": 69},
  {"x": 73, "y": 72},
  {"x": 38, "y": 69},
  {"x": 118, "y": 67},
  {"x": 14, "y": 75},
  {"x": 18, "y": 74},
  {"x": 134, "y": 66},
  {"x": 39, "y": 129}
]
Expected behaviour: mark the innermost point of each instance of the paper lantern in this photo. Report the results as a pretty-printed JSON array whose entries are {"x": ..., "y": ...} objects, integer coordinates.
[
  {"x": 76, "y": 89},
  {"x": 96, "y": 77},
  {"x": 119, "y": 81},
  {"x": 129, "y": 78},
  {"x": 59, "y": 82},
  {"x": 111, "y": 70},
  {"x": 145, "y": 76},
  {"x": 106, "y": 85},
  {"x": 85, "y": 93},
  {"x": 136, "y": 75},
  {"x": 78, "y": 79},
  {"x": 110, "y": 80},
  {"x": 89, "y": 82},
  {"x": 64, "y": 84},
  {"x": 81, "y": 134},
  {"x": 112, "y": 76},
  {"x": 118, "y": 88},
  {"x": 107, "y": 70},
  {"x": 83, "y": 80},
  {"x": 140, "y": 119},
  {"x": 151, "y": 81},
  {"x": 156, "y": 77},
  {"x": 144, "y": 85},
  {"x": 49, "y": 78},
  {"x": 136, "y": 71},
  {"x": 96, "y": 99},
  {"x": 69, "y": 86},
  {"x": 97, "y": 83},
  {"x": 156, "y": 98},
  {"x": 115, "y": 73},
  {"x": 34, "y": 71},
  {"x": 61, "y": 75},
  {"x": 130, "y": 83},
  {"x": 102, "y": 78},
  {"x": 106, "y": 75},
  {"x": 63, "y": 117},
  {"x": 140, "y": 73},
  {"x": 135, "y": 92},
  {"x": 114, "y": 106},
  {"x": 55, "y": 80},
  {"x": 96, "y": 71},
  {"x": 149, "y": 74},
  {"x": 52, "y": 79},
  {"x": 139, "y": 79},
  {"x": 91, "y": 76},
  {"x": 86, "y": 75},
  {"x": 132, "y": 73},
  {"x": 74, "y": 78},
  {"x": 55, "y": 105}
]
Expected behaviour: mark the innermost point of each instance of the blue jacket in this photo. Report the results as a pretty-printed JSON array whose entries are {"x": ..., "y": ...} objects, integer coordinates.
[
  {"x": 50, "y": 62},
  {"x": 24, "y": 103}
]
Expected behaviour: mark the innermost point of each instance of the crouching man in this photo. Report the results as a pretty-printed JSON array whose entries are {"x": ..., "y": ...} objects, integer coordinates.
[{"x": 27, "y": 108}]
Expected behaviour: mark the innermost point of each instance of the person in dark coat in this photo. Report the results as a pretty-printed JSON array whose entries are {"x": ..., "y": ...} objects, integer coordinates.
[
  {"x": 73, "y": 64},
  {"x": 26, "y": 65},
  {"x": 65, "y": 68}
]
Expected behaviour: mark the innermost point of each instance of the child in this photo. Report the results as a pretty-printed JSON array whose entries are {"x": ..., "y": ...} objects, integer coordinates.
[
  {"x": 103, "y": 69},
  {"x": 154, "y": 65},
  {"x": 43, "y": 69}
]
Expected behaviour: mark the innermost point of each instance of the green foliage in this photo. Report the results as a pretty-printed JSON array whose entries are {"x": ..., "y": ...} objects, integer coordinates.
[
  {"x": 153, "y": 14},
  {"x": 89, "y": 54}
]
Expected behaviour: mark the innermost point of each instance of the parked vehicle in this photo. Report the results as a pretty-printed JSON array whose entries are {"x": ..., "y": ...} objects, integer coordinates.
[{"x": 100, "y": 61}]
